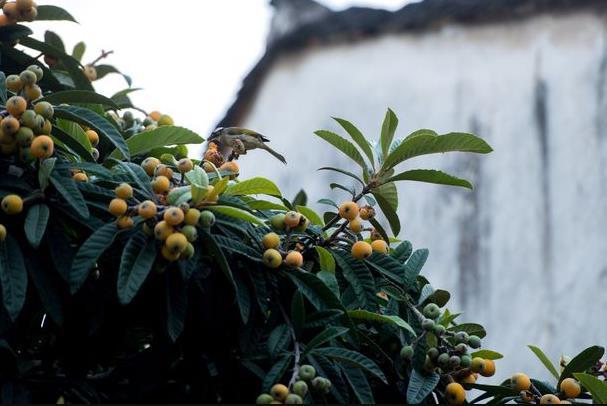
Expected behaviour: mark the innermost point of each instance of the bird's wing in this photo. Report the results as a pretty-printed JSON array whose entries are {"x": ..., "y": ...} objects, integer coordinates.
[{"x": 246, "y": 131}]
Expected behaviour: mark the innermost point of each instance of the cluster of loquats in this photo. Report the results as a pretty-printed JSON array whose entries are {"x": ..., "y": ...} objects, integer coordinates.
[
  {"x": 299, "y": 389},
  {"x": 175, "y": 225},
  {"x": 451, "y": 355},
  {"x": 16, "y": 11},
  {"x": 214, "y": 159},
  {"x": 26, "y": 125},
  {"x": 131, "y": 125},
  {"x": 569, "y": 389}
]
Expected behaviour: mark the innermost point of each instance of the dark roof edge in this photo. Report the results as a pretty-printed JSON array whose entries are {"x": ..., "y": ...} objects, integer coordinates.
[{"x": 356, "y": 23}]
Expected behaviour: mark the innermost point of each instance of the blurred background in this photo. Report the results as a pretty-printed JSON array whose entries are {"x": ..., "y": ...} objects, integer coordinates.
[{"x": 524, "y": 253}]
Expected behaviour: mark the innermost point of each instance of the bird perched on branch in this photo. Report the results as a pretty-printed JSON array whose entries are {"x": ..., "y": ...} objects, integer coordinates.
[{"x": 238, "y": 141}]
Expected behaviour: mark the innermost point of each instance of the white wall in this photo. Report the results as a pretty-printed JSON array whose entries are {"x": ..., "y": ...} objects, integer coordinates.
[{"x": 525, "y": 253}]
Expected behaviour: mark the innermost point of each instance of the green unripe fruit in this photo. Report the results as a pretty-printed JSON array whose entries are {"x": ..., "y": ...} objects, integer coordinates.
[
  {"x": 28, "y": 118},
  {"x": 443, "y": 359},
  {"x": 454, "y": 361},
  {"x": 168, "y": 159},
  {"x": 300, "y": 388},
  {"x": 39, "y": 123},
  {"x": 466, "y": 361},
  {"x": 428, "y": 325},
  {"x": 24, "y": 136},
  {"x": 294, "y": 399},
  {"x": 406, "y": 353},
  {"x": 439, "y": 329},
  {"x": 28, "y": 77},
  {"x": 461, "y": 337},
  {"x": 433, "y": 353},
  {"x": 37, "y": 71},
  {"x": 207, "y": 219},
  {"x": 474, "y": 342},
  {"x": 431, "y": 311},
  {"x": 45, "y": 109},
  {"x": 190, "y": 233},
  {"x": 303, "y": 225},
  {"x": 428, "y": 365},
  {"x": 264, "y": 399},
  {"x": 147, "y": 121},
  {"x": 165, "y": 120},
  {"x": 307, "y": 372},
  {"x": 127, "y": 116},
  {"x": 461, "y": 348},
  {"x": 278, "y": 222},
  {"x": 188, "y": 252},
  {"x": 181, "y": 151}
]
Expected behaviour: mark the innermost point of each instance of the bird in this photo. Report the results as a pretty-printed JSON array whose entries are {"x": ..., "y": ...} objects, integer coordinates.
[{"x": 240, "y": 141}]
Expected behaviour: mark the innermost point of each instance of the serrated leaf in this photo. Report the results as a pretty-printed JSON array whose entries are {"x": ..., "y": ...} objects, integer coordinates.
[
  {"x": 420, "y": 386},
  {"x": 254, "y": 186},
  {"x": 137, "y": 175},
  {"x": 388, "y": 129},
  {"x": 343, "y": 145},
  {"x": 236, "y": 213},
  {"x": 135, "y": 265},
  {"x": 275, "y": 374},
  {"x": 414, "y": 265},
  {"x": 430, "y": 176},
  {"x": 146, "y": 141},
  {"x": 317, "y": 292},
  {"x": 13, "y": 277},
  {"x": 44, "y": 172},
  {"x": 596, "y": 387},
  {"x": 359, "y": 277},
  {"x": 352, "y": 357},
  {"x": 98, "y": 123},
  {"x": 53, "y": 13},
  {"x": 368, "y": 316},
  {"x": 324, "y": 336},
  {"x": 68, "y": 189},
  {"x": 310, "y": 215},
  {"x": 583, "y": 361},
  {"x": 402, "y": 252},
  {"x": 89, "y": 253},
  {"x": 35, "y": 224},
  {"x": 387, "y": 266},
  {"x": 544, "y": 360},
  {"x": 358, "y": 138},
  {"x": 424, "y": 144},
  {"x": 79, "y": 96},
  {"x": 279, "y": 340},
  {"x": 360, "y": 385}
]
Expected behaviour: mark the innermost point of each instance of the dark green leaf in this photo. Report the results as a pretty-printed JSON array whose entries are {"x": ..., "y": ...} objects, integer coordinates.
[
  {"x": 388, "y": 129},
  {"x": 275, "y": 374},
  {"x": 583, "y": 361},
  {"x": 328, "y": 202},
  {"x": 177, "y": 302},
  {"x": 51, "y": 13},
  {"x": 135, "y": 265},
  {"x": 440, "y": 297},
  {"x": 73, "y": 141},
  {"x": 79, "y": 96},
  {"x": 388, "y": 266},
  {"x": 44, "y": 173},
  {"x": 51, "y": 38},
  {"x": 13, "y": 32},
  {"x": 350, "y": 174},
  {"x": 3, "y": 95},
  {"x": 414, "y": 266},
  {"x": 487, "y": 354},
  {"x": 343, "y": 145},
  {"x": 420, "y": 386},
  {"x": 373, "y": 317},
  {"x": 326, "y": 335},
  {"x": 359, "y": 277},
  {"x": 358, "y": 138},
  {"x": 596, "y": 387},
  {"x": 298, "y": 312},
  {"x": 353, "y": 358},
  {"x": 146, "y": 141},
  {"x": 279, "y": 340},
  {"x": 403, "y": 251},
  {"x": 300, "y": 199},
  {"x": 138, "y": 176},
  {"x": 314, "y": 290},
  {"x": 13, "y": 277},
  {"x": 103, "y": 70},
  {"x": 380, "y": 229},
  {"x": 35, "y": 223},
  {"x": 430, "y": 176},
  {"x": 359, "y": 384},
  {"x": 69, "y": 191}
]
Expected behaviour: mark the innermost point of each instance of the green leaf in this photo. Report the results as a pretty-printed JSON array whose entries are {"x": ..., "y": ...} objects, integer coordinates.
[
  {"x": 13, "y": 277},
  {"x": 470, "y": 328},
  {"x": 359, "y": 384},
  {"x": 343, "y": 172},
  {"x": 414, "y": 266},
  {"x": 387, "y": 266},
  {"x": 254, "y": 186},
  {"x": 364, "y": 315},
  {"x": 77, "y": 133},
  {"x": 68, "y": 189},
  {"x": 53, "y": 13},
  {"x": 353, "y": 358},
  {"x": 314, "y": 290},
  {"x": 72, "y": 143},
  {"x": 403, "y": 251},
  {"x": 545, "y": 360},
  {"x": 310, "y": 215},
  {"x": 218, "y": 255},
  {"x": 388, "y": 211},
  {"x": 266, "y": 205},
  {"x": 487, "y": 354},
  {"x": 388, "y": 128},
  {"x": 137, "y": 175},
  {"x": 328, "y": 202},
  {"x": 78, "y": 51},
  {"x": 89, "y": 253},
  {"x": 424, "y": 144},
  {"x": 44, "y": 173},
  {"x": 13, "y": 32},
  {"x": 301, "y": 199},
  {"x": 420, "y": 386},
  {"x": 98, "y": 123},
  {"x": 298, "y": 312},
  {"x": 104, "y": 70},
  {"x": 236, "y": 213},
  {"x": 279, "y": 340},
  {"x": 359, "y": 277},
  {"x": 379, "y": 228},
  {"x": 54, "y": 40},
  {"x": 343, "y": 145},
  {"x": 135, "y": 265},
  {"x": 583, "y": 361},
  {"x": 325, "y": 259},
  {"x": 326, "y": 335},
  {"x": 440, "y": 297},
  {"x": 596, "y": 387},
  {"x": 275, "y": 373},
  {"x": 35, "y": 223},
  {"x": 146, "y": 141},
  {"x": 358, "y": 138},
  {"x": 197, "y": 177},
  {"x": 79, "y": 96},
  {"x": 430, "y": 176}
]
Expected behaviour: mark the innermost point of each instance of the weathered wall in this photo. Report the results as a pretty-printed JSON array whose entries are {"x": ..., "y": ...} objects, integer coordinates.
[{"x": 526, "y": 251}]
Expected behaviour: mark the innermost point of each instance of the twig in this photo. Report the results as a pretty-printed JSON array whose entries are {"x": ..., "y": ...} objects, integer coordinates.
[
  {"x": 296, "y": 349},
  {"x": 104, "y": 54}
]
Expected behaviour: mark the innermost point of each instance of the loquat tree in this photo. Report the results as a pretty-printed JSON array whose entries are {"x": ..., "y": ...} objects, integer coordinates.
[{"x": 132, "y": 273}]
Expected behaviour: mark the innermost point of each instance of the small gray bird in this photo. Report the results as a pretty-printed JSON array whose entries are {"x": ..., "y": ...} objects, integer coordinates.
[{"x": 240, "y": 140}]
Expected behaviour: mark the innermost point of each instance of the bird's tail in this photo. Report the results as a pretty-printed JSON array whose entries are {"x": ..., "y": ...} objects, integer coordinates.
[{"x": 276, "y": 154}]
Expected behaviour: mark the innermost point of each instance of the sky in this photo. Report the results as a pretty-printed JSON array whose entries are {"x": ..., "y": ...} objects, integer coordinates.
[{"x": 188, "y": 56}]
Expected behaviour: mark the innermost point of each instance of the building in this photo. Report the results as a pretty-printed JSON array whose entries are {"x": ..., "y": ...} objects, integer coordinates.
[{"x": 525, "y": 253}]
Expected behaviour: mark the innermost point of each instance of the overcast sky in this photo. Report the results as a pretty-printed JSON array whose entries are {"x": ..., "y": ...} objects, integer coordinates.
[{"x": 189, "y": 56}]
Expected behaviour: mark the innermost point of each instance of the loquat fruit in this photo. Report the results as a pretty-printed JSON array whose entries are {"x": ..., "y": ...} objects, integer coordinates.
[
  {"x": 185, "y": 165},
  {"x": 207, "y": 219},
  {"x": 570, "y": 387},
  {"x": 16, "y": 105},
  {"x": 149, "y": 165},
  {"x": 488, "y": 368},
  {"x": 24, "y": 136},
  {"x": 477, "y": 365},
  {"x": 3, "y": 232},
  {"x": 118, "y": 207},
  {"x": 428, "y": 324},
  {"x": 455, "y": 394},
  {"x": 431, "y": 310},
  {"x": 307, "y": 372},
  {"x": 80, "y": 177},
  {"x": 348, "y": 210},
  {"x": 380, "y": 246},
  {"x": 361, "y": 250},
  {"x": 10, "y": 125},
  {"x": 34, "y": 68},
  {"x": 520, "y": 382},
  {"x": 42, "y": 147},
  {"x": 549, "y": 399},
  {"x": 45, "y": 109},
  {"x": 356, "y": 225},
  {"x": 406, "y": 353},
  {"x": 28, "y": 119},
  {"x": 125, "y": 222},
  {"x": 293, "y": 399},
  {"x": 303, "y": 225},
  {"x": 176, "y": 243},
  {"x": 190, "y": 233},
  {"x": 366, "y": 212},
  {"x": 474, "y": 341},
  {"x": 168, "y": 255},
  {"x": 192, "y": 217},
  {"x": 300, "y": 388},
  {"x": 11, "y": 11},
  {"x": 272, "y": 258},
  {"x": 147, "y": 209},
  {"x": 279, "y": 392},
  {"x": 32, "y": 92},
  {"x": 271, "y": 240},
  {"x": 124, "y": 191},
  {"x": 294, "y": 259},
  {"x": 165, "y": 120},
  {"x": 163, "y": 170},
  {"x": 468, "y": 379},
  {"x": 162, "y": 230},
  {"x": 29, "y": 14},
  {"x": 278, "y": 221},
  {"x": 264, "y": 399},
  {"x": 25, "y": 5},
  {"x": 161, "y": 184},
  {"x": 13, "y": 83},
  {"x": 12, "y": 204},
  {"x": 292, "y": 219},
  {"x": 155, "y": 115},
  {"x": 173, "y": 216},
  {"x": 27, "y": 77},
  {"x": 93, "y": 137},
  {"x": 231, "y": 166}
]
